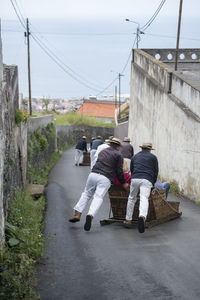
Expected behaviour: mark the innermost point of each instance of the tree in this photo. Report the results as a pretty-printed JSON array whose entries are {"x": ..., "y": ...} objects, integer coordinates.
[{"x": 46, "y": 102}]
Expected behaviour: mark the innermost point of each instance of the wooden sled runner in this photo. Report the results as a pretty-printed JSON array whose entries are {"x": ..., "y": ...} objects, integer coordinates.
[{"x": 160, "y": 210}]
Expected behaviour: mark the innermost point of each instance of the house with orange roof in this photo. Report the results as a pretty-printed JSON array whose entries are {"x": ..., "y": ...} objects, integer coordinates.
[{"x": 99, "y": 109}]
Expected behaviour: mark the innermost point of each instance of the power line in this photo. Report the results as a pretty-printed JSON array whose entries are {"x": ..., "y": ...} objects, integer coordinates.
[
  {"x": 75, "y": 73},
  {"x": 124, "y": 68},
  {"x": 154, "y": 16},
  {"x": 23, "y": 24},
  {"x": 59, "y": 63},
  {"x": 52, "y": 55}
]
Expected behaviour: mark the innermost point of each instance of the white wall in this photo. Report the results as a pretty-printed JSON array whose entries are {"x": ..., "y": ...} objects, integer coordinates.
[{"x": 163, "y": 119}]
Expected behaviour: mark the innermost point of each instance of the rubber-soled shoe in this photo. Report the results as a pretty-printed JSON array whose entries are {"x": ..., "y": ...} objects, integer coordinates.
[
  {"x": 141, "y": 224},
  {"x": 127, "y": 223},
  {"x": 74, "y": 220},
  {"x": 88, "y": 223}
]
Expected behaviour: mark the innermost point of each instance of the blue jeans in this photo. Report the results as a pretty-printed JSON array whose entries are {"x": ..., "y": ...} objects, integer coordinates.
[{"x": 166, "y": 186}]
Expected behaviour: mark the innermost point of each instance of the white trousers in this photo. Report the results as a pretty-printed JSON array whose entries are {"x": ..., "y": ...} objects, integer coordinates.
[
  {"x": 78, "y": 156},
  {"x": 96, "y": 186},
  {"x": 92, "y": 158},
  {"x": 144, "y": 187}
]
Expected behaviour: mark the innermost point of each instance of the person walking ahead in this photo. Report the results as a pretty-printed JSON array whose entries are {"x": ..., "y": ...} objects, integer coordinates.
[
  {"x": 144, "y": 172},
  {"x": 108, "y": 164},
  {"x": 79, "y": 149}
]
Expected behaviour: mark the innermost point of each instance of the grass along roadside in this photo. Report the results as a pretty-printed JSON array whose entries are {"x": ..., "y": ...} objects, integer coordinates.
[
  {"x": 24, "y": 241},
  {"x": 71, "y": 118}
]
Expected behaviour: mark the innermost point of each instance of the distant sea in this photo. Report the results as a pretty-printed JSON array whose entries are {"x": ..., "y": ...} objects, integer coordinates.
[{"x": 97, "y": 51}]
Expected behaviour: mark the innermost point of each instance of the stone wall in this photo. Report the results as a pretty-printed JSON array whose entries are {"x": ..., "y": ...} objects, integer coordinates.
[
  {"x": 41, "y": 142},
  {"x": 70, "y": 134},
  {"x": 15, "y": 153},
  {"x": 2, "y": 148},
  {"x": 164, "y": 110}
]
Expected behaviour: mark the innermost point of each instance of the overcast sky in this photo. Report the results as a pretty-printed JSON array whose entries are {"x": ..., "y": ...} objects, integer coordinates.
[
  {"x": 90, "y": 36},
  {"x": 97, "y": 8}
]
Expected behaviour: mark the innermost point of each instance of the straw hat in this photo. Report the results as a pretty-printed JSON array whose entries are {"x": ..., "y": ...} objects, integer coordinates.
[
  {"x": 127, "y": 139},
  {"x": 147, "y": 146},
  {"x": 116, "y": 141},
  {"x": 107, "y": 142},
  {"x": 83, "y": 137}
]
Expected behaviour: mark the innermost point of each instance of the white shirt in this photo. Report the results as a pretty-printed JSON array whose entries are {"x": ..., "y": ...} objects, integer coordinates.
[{"x": 99, "y": 149}]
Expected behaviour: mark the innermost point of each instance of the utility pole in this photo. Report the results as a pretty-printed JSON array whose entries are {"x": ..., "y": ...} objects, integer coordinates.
[
  {"x": 115, "y": 96},
  {"x": 178, "y": 33},
  {"x": 27, "y": 33},
  {"x": 119, "y": 75},
  {"x": 137, "y": 36}
]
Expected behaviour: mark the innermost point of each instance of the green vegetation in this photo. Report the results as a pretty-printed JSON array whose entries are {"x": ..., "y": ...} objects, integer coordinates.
[
  {"x": 78, "y": 119},
  {"x": 38, "y": 143},
  {"x": 46, "y": 102},
  {"x": 24, "y": 228},
  {"x": 174, "y": 189},
  {"x": 41, "y": 140},
  {"x": 24, "y": 247},
  {"x": 198, "y": 202},
  {"x": 20, "y": 116},
  {"x": 39, "y": 173},
  {"x": 73, "y": 118},
  {"x": 11, "y": 161}
]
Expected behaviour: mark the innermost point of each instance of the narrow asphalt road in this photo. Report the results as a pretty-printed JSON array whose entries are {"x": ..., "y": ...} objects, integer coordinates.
[{"x": 113, "y": 262}]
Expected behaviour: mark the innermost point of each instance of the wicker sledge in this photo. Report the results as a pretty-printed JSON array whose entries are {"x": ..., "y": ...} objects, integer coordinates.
[
  {"x": 86, "y": 159},
  {"x": 159, "y": 212}
]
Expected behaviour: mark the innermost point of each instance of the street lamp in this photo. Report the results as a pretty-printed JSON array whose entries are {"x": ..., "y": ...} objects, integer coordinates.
[{"x": 138, "y": 32}]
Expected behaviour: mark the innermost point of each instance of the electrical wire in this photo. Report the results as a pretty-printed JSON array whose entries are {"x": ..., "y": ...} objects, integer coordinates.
[
  {"x": 75, "y": 73},
  {"x": 124, "y": 68},
  {"x": 52, "y": 55},
  {"x": 154, "y": 16},
  {"x": 23, "y": 25},
  {"x": 22, "y": 17},
  {"x": 60, "y": 63}
]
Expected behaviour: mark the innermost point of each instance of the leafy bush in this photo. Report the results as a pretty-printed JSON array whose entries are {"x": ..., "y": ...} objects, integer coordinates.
[
  {"x": 174, "y": 189},
  {"x": 20, "y": 116},
  {"x": 24, "y": 247},
  {"x": 42, "y": 141}
]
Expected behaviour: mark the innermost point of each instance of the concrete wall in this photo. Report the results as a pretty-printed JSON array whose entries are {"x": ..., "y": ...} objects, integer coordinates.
[
  {"x": 164, "y": 110},
  {"x": 70, "y": 134},
  {"x": 121, "y": 130},
  {"x": 39, "y": 123}
]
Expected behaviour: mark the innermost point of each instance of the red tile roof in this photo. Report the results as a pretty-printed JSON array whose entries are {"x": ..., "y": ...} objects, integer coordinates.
[{"x": 94, "y": 109}]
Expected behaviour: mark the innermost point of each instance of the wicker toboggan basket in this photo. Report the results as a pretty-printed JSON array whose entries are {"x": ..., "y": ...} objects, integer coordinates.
[
  {"x": 86, "y": 159},
  {"x": 158, "y": 206}
]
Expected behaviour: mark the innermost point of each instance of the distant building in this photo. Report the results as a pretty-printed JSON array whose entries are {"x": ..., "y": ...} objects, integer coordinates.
[{"x": 98, "y": 108}]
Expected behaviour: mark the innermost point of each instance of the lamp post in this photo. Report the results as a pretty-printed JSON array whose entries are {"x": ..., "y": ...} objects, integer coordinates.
[{"x": 138, "y": 31}]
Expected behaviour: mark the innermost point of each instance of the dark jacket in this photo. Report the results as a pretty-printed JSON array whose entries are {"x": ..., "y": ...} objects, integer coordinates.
[
  {"x": 82, "y": 145},
  {"x": 96, "y": 143},
  {"x": 109, "y": 164},
  {"x": 126, "y": 150},
  {"x": 144, "y": 165}
]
